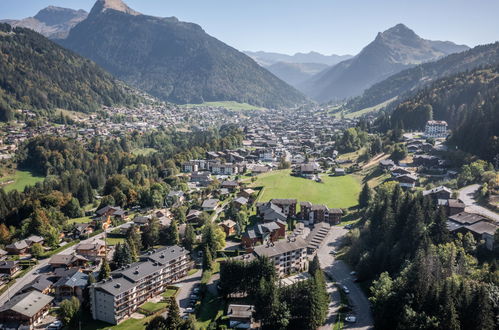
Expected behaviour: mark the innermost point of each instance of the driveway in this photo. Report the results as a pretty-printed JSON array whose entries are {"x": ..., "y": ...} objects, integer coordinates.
[
  {"x": 467, "y": 195},
  {"x": 43, "y": 267},
  {"x": 186, "y": 286},
  {"x": 340, "y": 271}
]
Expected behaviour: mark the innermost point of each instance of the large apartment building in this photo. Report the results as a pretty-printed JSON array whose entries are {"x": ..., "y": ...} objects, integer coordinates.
[
  {"x": 436, "y": 129},
  {"x": 288, "y": 255},
  {"x": 116, "y": 298}
]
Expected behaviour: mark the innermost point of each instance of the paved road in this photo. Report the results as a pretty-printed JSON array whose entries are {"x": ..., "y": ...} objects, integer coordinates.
[
  {"x": 467, "y": 195},
  {"x": 341, "y": 273},
  {"x": 186, "y": 286},
  {"x": 43, "y": 267}
]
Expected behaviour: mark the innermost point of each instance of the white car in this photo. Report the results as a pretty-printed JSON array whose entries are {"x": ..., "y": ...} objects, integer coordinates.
[
  {"x": 189, "y": 310},
  {"x": 56, "y": 325},
  {"x": 353, "y": 273},
  {"x": 351, "y": 319},
  {"x": 345, "y": 289}
]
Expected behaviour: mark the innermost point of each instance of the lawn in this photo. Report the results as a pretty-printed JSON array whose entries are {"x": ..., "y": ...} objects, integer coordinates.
[
  {"x": 130, "y": 324},
  {"x": 21, "y": 179},
  {"x": 338, "y": 191},
  {"x": 169, "y": 293},
  {"x": 80, "y": 220},
  {"x": 114, "y": 240},
  {"x": 143, "y": 151},
  {"x": 211, "y": 309},
  {"x": 229, "y": 105},
  {"x": 153, "y": 307}
]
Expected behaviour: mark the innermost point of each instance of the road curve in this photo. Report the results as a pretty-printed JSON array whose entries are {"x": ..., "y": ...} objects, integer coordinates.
[{"x": 467, "y": 195}]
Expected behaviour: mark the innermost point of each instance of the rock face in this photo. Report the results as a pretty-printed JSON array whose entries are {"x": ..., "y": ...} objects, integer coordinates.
[
  {"x": 392, "y": 51},
  {"x": 173, "y": 60},
  {"x": 52, "y": 22}
]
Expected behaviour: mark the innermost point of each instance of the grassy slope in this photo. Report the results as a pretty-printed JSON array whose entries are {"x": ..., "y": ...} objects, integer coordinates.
[
  {"x": 341, "y": 192},
  {"x": 21, "y": 180},
  {"x": 230, "y": 105}
]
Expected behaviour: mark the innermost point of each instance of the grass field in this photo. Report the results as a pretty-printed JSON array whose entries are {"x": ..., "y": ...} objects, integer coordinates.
[
  {"x": 114, "y": 240},
  {"x": 230, "y": 105},
  {"x": 367, "y": 110},
  {"x": 21, "y": 179},
  {"x": 153, "y": 307},
  {"x": 130, "y": 324},
  {"x": 80, "y": 220},
  {"x": 143, "y": 151},
  {"x": 340, "y": 192}
]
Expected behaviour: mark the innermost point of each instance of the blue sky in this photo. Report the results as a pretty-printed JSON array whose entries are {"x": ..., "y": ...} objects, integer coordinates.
[{"x": 326, "y": 26}]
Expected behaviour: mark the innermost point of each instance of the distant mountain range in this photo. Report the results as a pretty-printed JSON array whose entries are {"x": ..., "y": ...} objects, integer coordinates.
[
  {"x": 266, "y": 59},
  {"x": 52, "y": 22},
  {"x": 295, "y": 73},
  {"x": 409, "y": 81},
  {"x": 38, "y": 74},
  {"x": 392, "y": 51},
  {"x": 173, "y": 60}
]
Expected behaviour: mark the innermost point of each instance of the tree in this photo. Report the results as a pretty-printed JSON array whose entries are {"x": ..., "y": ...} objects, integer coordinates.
[
  {"x": 173, "y": 320},
  {"x": 314, "y": 265},
  {"x": 37, "y": 250},
  {"x": 150, "y": 234},
  {"x": 4, "y": 234},
  {"x": 399, "y": 152},
  {"x": 134, "y": 238},
  {"x": 157, "y": 323},
  {"x": 213, "y": 237},
  {"x": 190, "y": 237},
  {"x": 72, "y": 209},
  {"x": 105, "y": 270},
  {"x": 170, "y": 234},
  {"x": 207, "y": 259},
  {"x": 69, "y": 309},
  {"x": 365, "y": 196}
]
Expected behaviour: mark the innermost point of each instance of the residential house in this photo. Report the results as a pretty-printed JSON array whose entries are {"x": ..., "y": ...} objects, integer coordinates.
[
  {"x": 261, "y": 233},
  {"x": 270, "y": 212},
  {"x": 241, "y": 316},
  {"x": 71, "y": 285},
  {"x": 386, "y": 164},
  {"x": 175, "y": 197},
  {"x": 240, "y": 202},
  {"x": 398, "y": 171},
  {"x": 19, "y": 247},
  {"x": 229, "y": 227},
  {"x": 309, "y": 170},
  {"x": 427, "y": 161},
  {"x": 68, "y": 261},
  {"x": 481, "y": 228},
  {"x": 35, "y": 239},
  {"x": 247, "y": 193},
  {"x": 9, "y": 267},
  {"x": 231, "y": 185},
  {"x": 202, "y": 179},
  {"x": 210, "y": 205},
  {"x": 194, "y": 216},
  {"x": 91, "y": 250},
  {"x": 287, "y": 206},
  {"x": 340, "y": 171},
  {"x": 82, "y": 229},
  {"x": 407, "y": 180},
  {"x": 41, "y": 283},
  {"x": 111, "y": 211},
  {"x": 437, "y": 193},
  {"x": 26, "y": 310}
]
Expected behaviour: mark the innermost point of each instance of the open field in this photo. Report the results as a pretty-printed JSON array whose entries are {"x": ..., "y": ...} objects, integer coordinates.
[
  {"x": 230, "y": 105},
  {"x": 80, "y": 220},
  {"x": 20, "y": 180},
  {"x": 339, "y": 192},
  {"x": 367, "y": 110},
  {"x": 130, "y": 324},
  {"x": 143, "y": 151}
]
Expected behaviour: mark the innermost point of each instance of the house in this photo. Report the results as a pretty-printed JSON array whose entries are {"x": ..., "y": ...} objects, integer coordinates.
[
  {"x": 339, "y": 171},
  {"x": 9, "y": 267},
  {"x": 455, "y": 206},
  {"x": 386, "y": 164},
  {"x": 231, "y": 185},
  {"x": 437, "y": 193},
  {"x": 288, "y": 255},
  {"x": 26, "y": 310},
  {"x": 71, "y": 285},
  {"x": 111, "y": 211},
  {"x": 240, "y": 202},
  {"x": 261, "y": 233},
  {"x": 19, "y": 247},
  {"x": 91, "y": 250},
  {"x": 241, "y": 316},
  {"x": 141, "y": 221},
  {"x": 247, "y": 193},
  {"x": 202, "y": 179},
  {"x": 309, "y": 170},
  {"x": 41, "y": 284},
  {"x": 287, "y": 206},
  {"x": 175, "y": 197},
  {"x": 194, "y": 216},
  {"x": 210, "y": 205},
  {"x": 82, "y": 229},
  {"x": 34, "y": 239},
  {"x": 435, "y": 129},
  {"x": 481, "y": 228},
  {"x": 229, "y": 227},
  {"x": 314, "y": 213},
  {"x": 3, "y": 254},
  {"x": 68, "y": 261},
  {"x": 407, "y": 180},
  {"x": 397, "y": 171},
  {"x": 427, "y": 161},
  {"x": 259, "y": 169}
]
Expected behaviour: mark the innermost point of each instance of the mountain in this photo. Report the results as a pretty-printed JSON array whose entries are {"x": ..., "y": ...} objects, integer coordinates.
[
  {"x": 295, "y": 73},
  {"x": 266, "y": 59},
  {"x": 409, "y": 81},
  {"x": 467, "y": 101},
  {"x": 39, "y": 74},
  {"x": 392, "y": 51},
  {"x": 174, "y": 60},
  {"x": 52, "y": 22}
]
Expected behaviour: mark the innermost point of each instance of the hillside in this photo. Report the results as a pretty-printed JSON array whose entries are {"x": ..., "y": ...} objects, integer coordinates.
[
  {"x": 392, "y": 51},
  {"x": 52, "y": 22},
  {"x": 266, "y": 59},
  {"x": 468, "y": 102},
  {"x": 173, "y": 60},
  {"x": 410, "y": 80},
  {"x": 295, "y": 73},
  {"x": 39, "y": 74}
]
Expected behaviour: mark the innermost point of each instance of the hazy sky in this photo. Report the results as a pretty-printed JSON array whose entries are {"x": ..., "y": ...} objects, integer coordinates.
[{"x": 326, "y": 26}]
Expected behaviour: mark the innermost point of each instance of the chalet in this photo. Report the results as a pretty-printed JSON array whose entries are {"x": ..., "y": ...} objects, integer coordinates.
[
  {"x": 270, "y": 212},
  {"x": 141, "y": 221},
  {"x": 247, "y": 193},
  {"x": 71, "y": 285},
  {"x": 241, "y": 316},
  {"x": 3, "y": 254},
  {"x": 229, "y": 227},
  {"x": 397, "y": 171},
  {"x": 26, "y": 310},
  {"x": 309, "y": 170},
  {"x": 41, "y": 283},
  {"x": 19, "y": 247},
  {"x": 407, "y": 180},
  {"x": 9, "y": 267},
  {"x": 481, "y": 228},
  {"x": 111, "y": 211},
  {"x": 287, "y": 206},
  {"x": 454, "y": 206},
  {"x": 210, "y": 205},
  {"x": 240, "y": 202},
  {"x": 194, "y": 216},
  {"x": 91, "y": 250},
  {"x": 34, "y": 239},
  {"x": 339, "y": 171},
  {"x": 231, "y": 185},
  {"x": 212, "y": 155},
  {"x": 67, "y": 261},
  {"x": 82, "y": 229},
  {"x": 386, "y": 164},
  {"x": 427, "y": 161},
  {"x": 175, "y": 197},
  {"x": 259, "y": 169},
  {"x": 269, "y": 231},
  {"x": 437, "y": 193},
  {"x": 202, "y": 179}
]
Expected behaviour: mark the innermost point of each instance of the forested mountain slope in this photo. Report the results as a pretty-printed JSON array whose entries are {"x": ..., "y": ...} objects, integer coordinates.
[
  {"x": 173, "y": 60},
  {"x": 414, "y": 78},
  {"x": 39, "y": 74}
]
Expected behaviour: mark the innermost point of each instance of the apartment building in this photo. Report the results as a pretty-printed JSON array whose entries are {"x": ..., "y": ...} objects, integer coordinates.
[
  {"x": 436, "y": 129},
  {"x": 288, "y": 255},
  {"x": 116, "y": 298}
]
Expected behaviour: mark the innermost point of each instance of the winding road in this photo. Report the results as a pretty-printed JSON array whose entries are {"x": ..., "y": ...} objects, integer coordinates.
[{"x": 467, "y": 195}]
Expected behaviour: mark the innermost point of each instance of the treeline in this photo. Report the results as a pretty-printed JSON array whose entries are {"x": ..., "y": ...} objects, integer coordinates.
[
  {"x": 76, "y": 173},
  {"x": 39, "y": 74},
  {"x": 303, "y": 305},
  {"x": 467, "y": 101},
  {"x": 424, "y": 278}
]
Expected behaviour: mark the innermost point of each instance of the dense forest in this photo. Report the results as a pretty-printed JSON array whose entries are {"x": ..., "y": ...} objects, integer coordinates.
[
  {"x": 77, "y": 173},
  {"x": 467, "y": 101},
  {"x": 424, "y": 277},
  {"x": 39, "y": 74},
  {"x": 407, "y": 82}
]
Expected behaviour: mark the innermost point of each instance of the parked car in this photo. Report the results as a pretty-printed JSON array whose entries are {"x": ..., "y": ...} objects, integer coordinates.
[
  {"x": 350, "y": 226},
  {"x": 56, "y": 325},
  {"x": 195, "y": 290},
  {"x": 333, "y": 252},
  {"x": 353, "y": 273},
  {"x": 189, "y": 310},
  {"x": 351, "y": 319},
  {"x": 345, "y": 289}
]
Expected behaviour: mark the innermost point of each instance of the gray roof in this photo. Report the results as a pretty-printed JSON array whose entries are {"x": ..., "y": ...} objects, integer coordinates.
[
  {"x": 483, "y": 227},
  {"x": 436, "y": 190},
  {"x": 466, "y": 218},
  {"x": 78, "y": 279},
  {"x": 27, "y": 304},
  {"x": 240, "y": 311},
  {"x": 8, "y": 264},
  {"x": 280, "y": 247},
  {"x": 210, "y": 203},
  {"x": 241, "y": 200},
  {"x": 39, "y": 284},
  {"x": 18, "y": 245}
]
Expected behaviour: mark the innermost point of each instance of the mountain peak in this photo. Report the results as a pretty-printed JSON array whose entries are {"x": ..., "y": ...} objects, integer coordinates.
[
  {"x": 398, "y": 31},
  {"x": 117, "y": 5},
  {"x": 53, "y": 15}
]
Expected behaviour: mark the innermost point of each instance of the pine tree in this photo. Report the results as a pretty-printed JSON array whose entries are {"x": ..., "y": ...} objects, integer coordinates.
[
  {"x": 157, "y": 323},
  {"x": 207, "y": 259},
  {"x": 105, "y": 271},
  {"x": 190, "y": 237},
  {"x": 314, "y": 265},
  {"x": 173, "y": 320},
  {"x": 365, "y": 196}
]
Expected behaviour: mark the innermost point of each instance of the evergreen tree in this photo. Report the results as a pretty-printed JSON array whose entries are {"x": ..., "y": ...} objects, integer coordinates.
[
  {"x": 105, "y": 271},
  {"x": 365, "y": 196},
  {"x": 190, "y": 237},
  {"x": 173, "y": 320},
  {"x": 157, "y": 323},
  {"x": 207, "y": 259}
]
